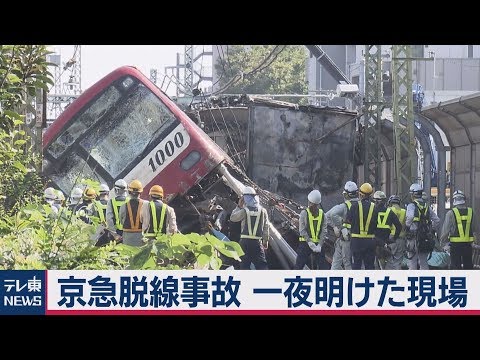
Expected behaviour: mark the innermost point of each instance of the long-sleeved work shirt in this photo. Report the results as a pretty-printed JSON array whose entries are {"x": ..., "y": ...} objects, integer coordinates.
[
  {"x": 171, "y": 218},
  {"x": 304, "y": 226},
  {"x": 450, "y": 225},
  {"x": 239, "y": 214},
  {"x": 410, "y": 224}
]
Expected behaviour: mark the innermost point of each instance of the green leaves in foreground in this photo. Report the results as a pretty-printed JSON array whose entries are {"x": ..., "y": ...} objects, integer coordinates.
[{"x": 184, "y": 251}]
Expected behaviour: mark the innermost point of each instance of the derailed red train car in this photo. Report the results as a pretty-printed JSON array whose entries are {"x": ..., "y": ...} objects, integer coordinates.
[{"x": 125, "y": 127}]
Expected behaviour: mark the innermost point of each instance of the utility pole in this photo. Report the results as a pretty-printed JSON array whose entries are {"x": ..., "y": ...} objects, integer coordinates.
[
  {"x": 405, "y": 145},
  {"x": 373, "y": 105}
]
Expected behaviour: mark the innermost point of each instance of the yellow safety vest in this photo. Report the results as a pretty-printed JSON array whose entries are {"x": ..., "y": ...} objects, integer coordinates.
[
  {"x": 464, "y": 234},
  {"x": 420, "y": 208},
  {"x": 401, "y": 214},
  {"x": 364, "y": 227},
  {"x": 252, "y": 233},
  {"x": 382, "y": 218},
  {"x": 314, "y": 232},
  {"x": 156, "y": 228},
  {"x": 349, "y": 205},
  {"x": 100, "y": 208},
  {"x": 115, "y": 206}
]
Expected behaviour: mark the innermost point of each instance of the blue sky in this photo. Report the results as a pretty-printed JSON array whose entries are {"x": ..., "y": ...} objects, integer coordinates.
[{"x": 99, "y": 60}]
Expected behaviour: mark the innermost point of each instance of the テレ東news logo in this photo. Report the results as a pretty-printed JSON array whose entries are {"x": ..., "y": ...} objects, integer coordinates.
[{"x": 22, "y": 292}]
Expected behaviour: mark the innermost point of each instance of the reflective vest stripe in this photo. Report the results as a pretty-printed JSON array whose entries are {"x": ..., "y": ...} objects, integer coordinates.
[
  {"x": 349, "y": 205},
  {"x": 401, "y": 214},
  {"x": 364, "y": 229},
  {"x": 100, "y": 207},
  {"x": 464, "y": 236},
  {"x": 134, "y": 226},
  {"x": 115, "y": 206},
  {"x": 314, "y": 233},
  {"x": 382, "y": 218},
  {"x": 420, "y": 208},
  {"x": 156, "y": 228},
  {"x": 252, "y": 234}
]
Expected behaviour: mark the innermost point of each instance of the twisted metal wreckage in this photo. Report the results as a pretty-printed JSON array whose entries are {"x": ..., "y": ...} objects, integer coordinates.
[{"x": 278, "y": 148}]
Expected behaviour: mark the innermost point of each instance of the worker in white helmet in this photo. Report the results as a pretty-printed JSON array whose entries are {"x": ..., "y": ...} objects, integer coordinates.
[
  {"x": 49, "y": 195},
  {"x": 342, "y": 256},
  {"x": 397, "y": 249},
  {"x": 459, "y": 233},
  {"x": 420, "y": 241},
  {"x": 101, "y": 210},
  {"x": 313, "y": 231},
  {"x": 75, "y": 199},
  {"x": 114, "y": 224},
  {"x": 255, "y": 232}
]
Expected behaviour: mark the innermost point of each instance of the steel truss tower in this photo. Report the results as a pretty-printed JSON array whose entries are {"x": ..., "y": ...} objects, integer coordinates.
[
  {"x": 373, "y": 105},
  {"x": 64, "y": 92},
  {"x": 405, "y": 145}
]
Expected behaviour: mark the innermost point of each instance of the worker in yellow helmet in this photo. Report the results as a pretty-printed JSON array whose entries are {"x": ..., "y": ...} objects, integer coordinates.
[
  {"x": 157, "y": 217},
  {"x": 130, "y": 215},
  {"x": 362, "y": 217},
  {"x": 86, "y": 208}
]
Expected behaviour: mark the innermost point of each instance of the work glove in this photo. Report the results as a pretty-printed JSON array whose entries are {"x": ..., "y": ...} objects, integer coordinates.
[
  {"x": 337, "y": 232},
  {"x": 446, "y": 248},
  {"x": 311, "y": 245},
  {"x": 345, "y": 234},
  {"x": 391, "y": 239},
  {"x": 318, "y": 248}
]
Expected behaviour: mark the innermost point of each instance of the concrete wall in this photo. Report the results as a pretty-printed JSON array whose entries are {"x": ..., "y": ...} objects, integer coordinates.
[{"x": 286, "y": 158}]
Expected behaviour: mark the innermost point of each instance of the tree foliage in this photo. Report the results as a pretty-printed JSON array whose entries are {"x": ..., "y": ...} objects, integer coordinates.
[
  {"x": 262, "y": 69},
  {"x": 23, "y": 70},
  {"x": 34, "y": 238}
]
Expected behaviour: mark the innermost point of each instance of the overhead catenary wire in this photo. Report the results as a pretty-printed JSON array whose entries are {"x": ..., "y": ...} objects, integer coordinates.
[
  {"x": 213, "y": 118},
  {"x": 232, "y": 141}
]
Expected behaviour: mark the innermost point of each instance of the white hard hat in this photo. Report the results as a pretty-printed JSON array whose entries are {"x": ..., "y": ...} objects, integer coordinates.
[
  {"x": 49, "y": 193},
  {"x": 77, "y": 193},
  {"x": 121, "y": 184},
  {"x": 416, "y": 190},
  {"x": 249, "y": 191},
  {"x": 104, "y": 188},
  {"x": 458, "y": 197},
  {"x": 350, "y": 189},
  {"x": 379, "y": 195},
  {"x": 315, "y": 197}
]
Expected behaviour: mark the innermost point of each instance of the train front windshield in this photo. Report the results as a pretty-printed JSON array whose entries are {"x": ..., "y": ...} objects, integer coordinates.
[{"x": 106, "y": 137}]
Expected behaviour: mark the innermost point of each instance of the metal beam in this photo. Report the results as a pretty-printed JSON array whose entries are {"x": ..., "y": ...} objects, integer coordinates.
[
  {"x": 327, "y": 63},
  {"x": 373, "y": 105},
  {"x": 405, "y": 168}
]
